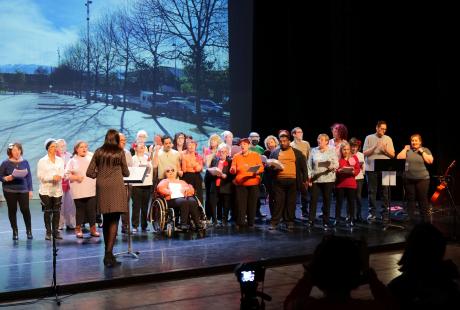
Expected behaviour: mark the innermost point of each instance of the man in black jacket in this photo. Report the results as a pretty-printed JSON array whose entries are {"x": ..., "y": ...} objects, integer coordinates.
[{"x": 287, "y": 180}]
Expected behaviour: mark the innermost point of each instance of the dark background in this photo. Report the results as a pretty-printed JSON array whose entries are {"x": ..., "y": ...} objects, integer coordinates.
[{"x": 357, "y": 62}]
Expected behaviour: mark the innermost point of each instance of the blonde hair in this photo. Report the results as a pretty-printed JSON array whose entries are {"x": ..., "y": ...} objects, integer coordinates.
[
  {"x": 214, "y": 137},
  {"x": 271, "y": 137}
]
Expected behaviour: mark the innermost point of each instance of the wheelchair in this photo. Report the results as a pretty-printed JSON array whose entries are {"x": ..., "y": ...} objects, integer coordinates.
[{"x": 164, "y": 219}]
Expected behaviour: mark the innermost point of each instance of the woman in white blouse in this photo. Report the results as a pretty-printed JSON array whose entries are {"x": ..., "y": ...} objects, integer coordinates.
[
  {"x": 50, "y": 171},
  {"x": 82, "y": 188}
]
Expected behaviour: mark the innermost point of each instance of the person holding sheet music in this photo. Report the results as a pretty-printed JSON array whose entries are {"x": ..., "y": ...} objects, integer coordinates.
[
  {"x": 17, "y": 187},
  {"x": 82, "y": 188},
  {"x": 179, "y": 195},
  {"x": 345, "y": 185},
  {"x": 247, "y": 167},
  {"x": 416, "y": 176},
  {"x": 287, "y": 180},
  {"x": 108, "y": 166},
  {"x": 321, "y": 164},
  {"x": 140, "y": 192}
]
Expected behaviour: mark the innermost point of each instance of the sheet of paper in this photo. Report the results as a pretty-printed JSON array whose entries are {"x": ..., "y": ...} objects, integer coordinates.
[
  {"x": 389, "y": 178},
  {"x": 176, "y": 190},
  {"x": 20, "y": 173},
  {"x": 253, "y": 169},
  {"x": 215, "y": 171},
  {"x": 275, "y": 164},
  {"x": 136, "y": 175}
]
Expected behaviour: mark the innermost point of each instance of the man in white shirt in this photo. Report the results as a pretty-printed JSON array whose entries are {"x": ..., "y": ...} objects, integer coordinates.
[{"x": 377, "y": 146}]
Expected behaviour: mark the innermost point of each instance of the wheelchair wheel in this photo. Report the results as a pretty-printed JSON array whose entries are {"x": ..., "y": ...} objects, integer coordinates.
[
  {"x": 203, "y": 218},
  {"x": 157, "y": 214}
]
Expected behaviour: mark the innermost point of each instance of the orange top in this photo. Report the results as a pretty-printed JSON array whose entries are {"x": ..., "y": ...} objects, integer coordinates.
[
  {"x": 287, "y": 158},
  {"x": 240, "y": 165},
  {"x": 191, "y": 162},
  {"x": 163, "y": 188}
]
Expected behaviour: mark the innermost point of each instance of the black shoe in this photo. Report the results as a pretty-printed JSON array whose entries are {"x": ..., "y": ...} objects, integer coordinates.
[
  {"x": 48, "y": 235},
  {"x": 110, "y": 261},
  {"x": 29, "y": 235},
  {"x": 15, "y": 234},
  {"x": 57, "y": 235},
  {"x": 309, "y": 224}
]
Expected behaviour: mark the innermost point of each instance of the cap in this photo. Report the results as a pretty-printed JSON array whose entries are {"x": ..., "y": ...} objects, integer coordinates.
[
  {"x": 244, "y": 140},
  {"x": 48, "y": 142}
]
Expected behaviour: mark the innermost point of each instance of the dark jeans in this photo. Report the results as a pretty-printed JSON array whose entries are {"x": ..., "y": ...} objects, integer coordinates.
[
  {"x": 86, "y": 210},
  {"x": 417, "y": 191},
  {"x": 285, "y": 200},
  {"x": 246, "y": 201},
  {"x": 12, "y": 201},
  {"x": 350, "y": 194},
  {"x": 374, "y": 181},
  {"x": 359, "y": 202},
  {"x": 141, "y": 197},
  {"x": 326, "y": 190}
]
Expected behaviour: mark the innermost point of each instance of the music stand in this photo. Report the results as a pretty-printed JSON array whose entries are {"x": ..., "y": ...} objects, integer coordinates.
[
  {"x": 136, "y": 175},
  {"x": 389, "y": 168}
]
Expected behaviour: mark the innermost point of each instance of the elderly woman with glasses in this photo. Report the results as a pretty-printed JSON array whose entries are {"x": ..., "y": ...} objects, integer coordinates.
[{"x": 179, "y": 196}]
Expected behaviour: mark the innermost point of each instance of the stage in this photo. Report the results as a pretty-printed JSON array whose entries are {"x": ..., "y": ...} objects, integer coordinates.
[{"x": 27, "y": 269}]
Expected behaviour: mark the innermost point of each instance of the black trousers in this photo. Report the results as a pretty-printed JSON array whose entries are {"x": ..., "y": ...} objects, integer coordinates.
[
  {"x": 187, "y": 206},
  {"x": 326, "y": 190},
  {"x": 51, "y": 207},
  {"x": 246, "y": 201},
  {"x": 350, "y": 195},
  {"x": 374, "y": 179},
  {"x": 12, "y": 201},
  {"x": 125, "y": 215},
  {"x": 285, "y": 200},
  {"x": 195, "y": 179},
  {"x": 86, "y": 210},
  {"x": 141, "y": 198},
  {"x": 417, "y": 191},
  {"x": 221, "y": 203}
]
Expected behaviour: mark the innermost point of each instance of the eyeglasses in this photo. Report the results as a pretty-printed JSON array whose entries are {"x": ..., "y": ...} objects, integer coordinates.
[
  {"x": 10, "y": 146},
  {"x": 169, "y": 170}
]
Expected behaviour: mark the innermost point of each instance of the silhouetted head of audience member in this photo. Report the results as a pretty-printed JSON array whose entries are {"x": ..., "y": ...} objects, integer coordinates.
[
  {"x": 338, "y": 265},
  {"x": 428, "y": 279},
  {"x": 425, "y": 247}
]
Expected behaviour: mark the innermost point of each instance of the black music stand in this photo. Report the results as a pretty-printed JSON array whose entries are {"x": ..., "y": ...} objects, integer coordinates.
[
  {"x": 136, "y": 175},
  {"x": 389, "y": 166}
]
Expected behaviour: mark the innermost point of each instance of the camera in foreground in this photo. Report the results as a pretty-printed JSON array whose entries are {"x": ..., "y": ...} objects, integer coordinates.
[{"x": 249, "y": 276}]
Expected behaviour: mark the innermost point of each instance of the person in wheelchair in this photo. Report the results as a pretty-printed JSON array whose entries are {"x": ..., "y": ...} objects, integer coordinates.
[{"x": 180, "y": 196}]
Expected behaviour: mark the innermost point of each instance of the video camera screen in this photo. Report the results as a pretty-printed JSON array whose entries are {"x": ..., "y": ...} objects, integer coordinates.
[{"x": 247, "y": 276}]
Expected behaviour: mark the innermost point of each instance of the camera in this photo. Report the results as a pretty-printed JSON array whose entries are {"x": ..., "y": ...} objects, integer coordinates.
[{"x": 249, "y": 275}]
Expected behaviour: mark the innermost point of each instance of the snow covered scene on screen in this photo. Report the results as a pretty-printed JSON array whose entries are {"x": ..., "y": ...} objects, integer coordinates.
[{"x": 73, "y": 69}]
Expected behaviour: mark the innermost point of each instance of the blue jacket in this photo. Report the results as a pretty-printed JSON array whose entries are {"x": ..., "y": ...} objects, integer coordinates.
[{"x": 18, "y": 185}]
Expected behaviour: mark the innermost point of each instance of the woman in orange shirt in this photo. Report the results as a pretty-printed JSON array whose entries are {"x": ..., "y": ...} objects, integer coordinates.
[
  {"x": 247, "y": 167},
  {"x": 192, "y": 165}
]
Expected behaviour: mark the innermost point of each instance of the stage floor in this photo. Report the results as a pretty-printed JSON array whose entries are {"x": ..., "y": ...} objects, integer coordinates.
[{"x": 27, "y": 269}]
